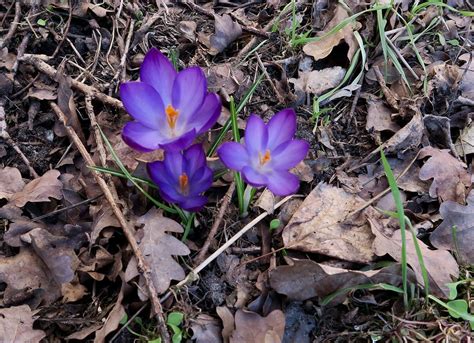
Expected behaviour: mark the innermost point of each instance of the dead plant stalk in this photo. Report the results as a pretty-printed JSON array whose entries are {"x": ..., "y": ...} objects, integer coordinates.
[{"x": 128, "y": 231}]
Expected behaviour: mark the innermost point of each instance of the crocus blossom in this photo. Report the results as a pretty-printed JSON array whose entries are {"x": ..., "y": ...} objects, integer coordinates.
[
  {"x": 268, "y": 152},
  {"x": 170, "y": 108},
  {"x": 182, "y": 177}
]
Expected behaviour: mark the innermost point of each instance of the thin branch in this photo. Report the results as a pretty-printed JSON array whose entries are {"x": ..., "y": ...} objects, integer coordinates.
[
  {"x": 127, "y": 229},
  {"x": 13, "y": 27}
]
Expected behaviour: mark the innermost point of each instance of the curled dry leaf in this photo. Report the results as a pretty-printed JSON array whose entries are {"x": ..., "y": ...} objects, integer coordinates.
[
  {"x": 39, "y": 190},
  {"x": 465, "y": 142},
  {"x": 320, "y": 225},
  {"x": 252, "y": 328},
  {"x": 458, "y": 221},
  {"x": 11, "y": 182},
  {"x": 450, "y": 177},
  {"x": 306, "y": 279},
  {"x": 408, "y": 137},
  {"x": 24, "y": 273},
  {"x": 16, "y": 325},
  {"x": 440, "y": 264},
  {"x": 158, "y": 249},
  {"x": 322, "y": 48},
  {"x": 318, "y": 81},
  {"x": 228, "y": 322},
  {"x": 226, "y": 31}
]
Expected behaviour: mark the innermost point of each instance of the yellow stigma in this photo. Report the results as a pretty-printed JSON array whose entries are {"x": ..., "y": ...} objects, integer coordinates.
[
  {"x": 171, "y": 116},
  {"x": 264, "y": 159},
  {"x": 184, "y": 183}
]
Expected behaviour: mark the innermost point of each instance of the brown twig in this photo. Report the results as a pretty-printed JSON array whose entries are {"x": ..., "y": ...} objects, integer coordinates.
[
  {"x": 14, "y": 25},
  {"x": 127, "y": 229},
  {"x": 280, "y": 97},
  {"x": 225, "y": 204},
  {"x": 6, "y": 136},
  {"x": 20, "y": 52},
  {"x": 120, "y": 73},
  {"x": 66, "y": 31},
  {"x": 86, "y": 89}
]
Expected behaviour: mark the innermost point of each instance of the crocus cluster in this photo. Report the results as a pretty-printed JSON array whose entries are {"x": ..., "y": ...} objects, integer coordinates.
[{"x": 170, "y": 109}]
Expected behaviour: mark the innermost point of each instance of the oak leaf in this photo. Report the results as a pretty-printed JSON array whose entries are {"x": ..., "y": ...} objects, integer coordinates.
[{"x": 16, "y": 325}]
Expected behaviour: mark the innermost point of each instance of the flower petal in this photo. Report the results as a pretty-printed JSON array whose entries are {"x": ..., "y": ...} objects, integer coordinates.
[
  {"x": 180, "y": 143},
  {"x": 233, "y": 155},
  {"x": 281, "y": 127},
  {"x": 201, "y": 181},
  {"x": 157, "y": 172},
  {"x": 254, "y": 178},
  {"x": 206, "y": 116},
  {"x": 174, "y": 163},
  {"x": 256, "y": 136},
  {"x": 158, "y": 71},
  {"x": 189, "y": 90},
  {"x": 195, "y": 158},
  {"x": 283, "y": 183},
  {"x": 289, "y": 154},
  {"x": 170, "y": 194},
  {"x": 141, "y": 137},
  {"x": 143, "y": 103},
  {"x": 193, "y": 204}
]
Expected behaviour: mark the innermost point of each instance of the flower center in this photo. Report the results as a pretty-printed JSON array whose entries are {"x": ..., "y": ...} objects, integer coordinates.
[
  {"x": 171, "y": 116},
  {"x": 264, "y": 159},
  {"x": 184, "y": 183}
]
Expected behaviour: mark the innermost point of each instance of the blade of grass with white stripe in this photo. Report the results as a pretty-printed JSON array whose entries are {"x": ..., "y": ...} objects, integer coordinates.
[
  {"x": 401, "y": 218},
  {"x": 239, "y": 183}
]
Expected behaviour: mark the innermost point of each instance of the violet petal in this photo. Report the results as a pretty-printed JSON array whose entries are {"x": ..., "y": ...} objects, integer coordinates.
[
  {"x": 253, "y": 178},
  {"x": 256, "y": 135},
  {"x": 283, "y": 183},
  {"x": 180, "y": 143},
  {"x": 233, "y": 155},
  {"x": 140, "y": 137},
  {"x": 189, "y": 90},
  {"x": 289, "y": 154},
  {"x": 143, "y": 103},
  {"x": 281, "y": 127}
]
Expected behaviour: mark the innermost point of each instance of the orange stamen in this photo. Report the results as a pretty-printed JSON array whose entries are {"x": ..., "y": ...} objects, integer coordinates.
[
  {"x": 171, "y": 116},
  {"x": 184, "y": 183},
  {"x": 265, "y": 158}
]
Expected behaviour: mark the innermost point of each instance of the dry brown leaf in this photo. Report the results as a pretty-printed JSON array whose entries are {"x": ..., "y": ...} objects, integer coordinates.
[
  {"x": 11, "y": 182},
  {"x": 72, "y": 292},
  {"x": 158, "y": 248},
  {"x": 306, "y": 279},
  {"x": 379, "y": 117},
  {"x": 318, "y": 81},
  {"x": 465, "y": 142},
  {"x": 440, "y": 264},
  {"x": 462, "y": 218},
  {"x": 250, "y": 327},
  {"x": 224, "y": 76},
  {"x": 206, "y": 329},
  {"x": 84, "y": 333},
  {"x": 450, "y": 177},
  {"x": 39, "y": 190},
  {"x": 57, "y": 252},
  {"x": 227, "y": 320},
  {"x": 408, "y": 137},
  {"x": 322, "y": 48},
  {"x": 25, "y": 272},
  {"x": 42, "y": 94},
  {"x": 16, "y": 325},
  {"x": 226, "y": 31},
  {"x": 113, "y": 319},
  {"x": 18, "y": 228},
  {"x": 320, "y": 225}
]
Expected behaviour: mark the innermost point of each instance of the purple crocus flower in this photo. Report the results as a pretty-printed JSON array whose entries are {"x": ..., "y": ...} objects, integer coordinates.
[
  {"x": 182, "y": 177},
  {"x": 170, "y": 108},
  {"x": 268, "y": 152}
]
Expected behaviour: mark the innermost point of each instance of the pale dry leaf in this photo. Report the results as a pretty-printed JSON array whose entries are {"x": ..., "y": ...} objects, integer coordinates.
[
  {"x": 465, "y": 143},
  {"x": 303, "y": 171},
  {"x": 226, "y": 31},
  {"x": 228, "y": 322},
  {"x": 306, "y": 279},
  {"x": 266, "y": 201},
  {"x": 450, "y": 177},
  {"x": 72, "y": 292},
  {"x": 250, "y": 327},
  {"x": 379, "y": 117},
  {"x": 440, "y": 264},
  {"x": 11, "y": 182},
  {"x": 320, "y": 225},
  {"x": 458, "y": 221},
  {"x": 16, "y": 325},
  {"x": 206, "y": 329},
  {"x": 224, "y": 76},
  {"x": 318, "y": 81},
  {"x": 42, "y": 94},
  {"x": 25, "y": 272},
  {"x": 322, "y": 48},
  {"x": 158, "y": 248},
  {"x": 39, "y": 190},
  {"x": 18, "y": 228},
  {"x": 188, "y": 29}
]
